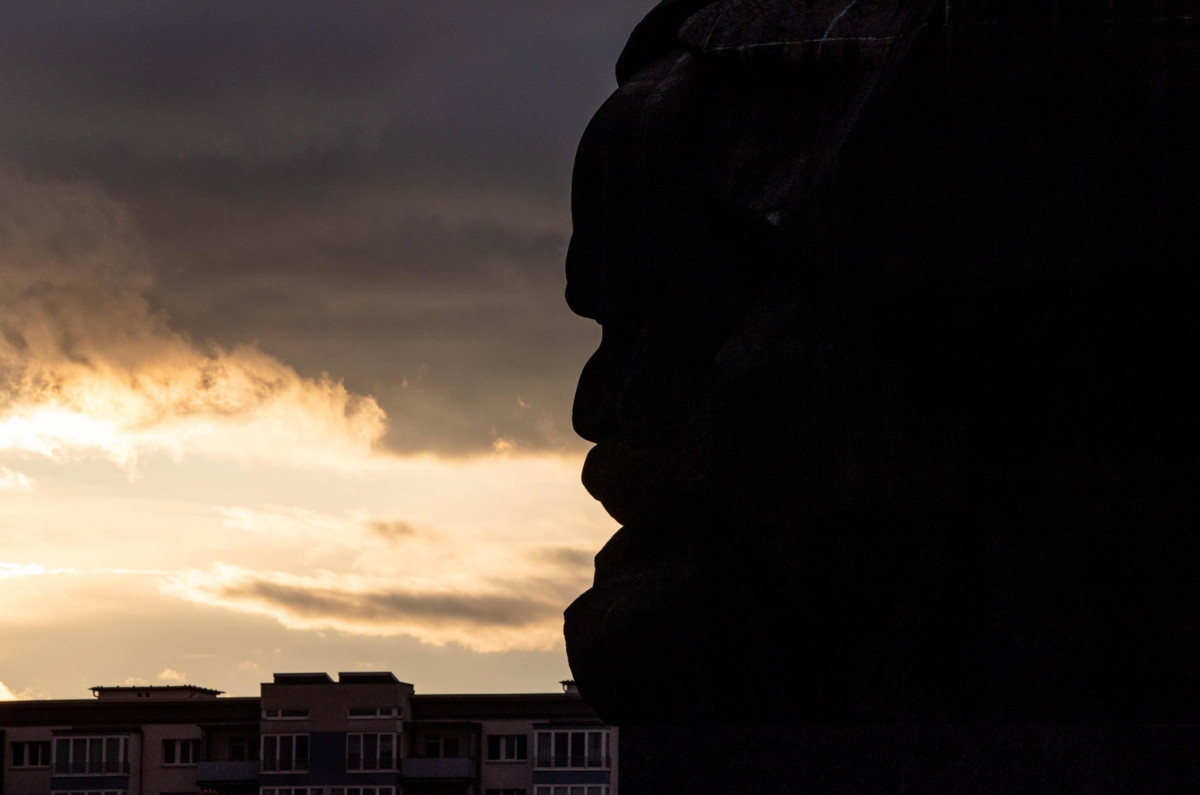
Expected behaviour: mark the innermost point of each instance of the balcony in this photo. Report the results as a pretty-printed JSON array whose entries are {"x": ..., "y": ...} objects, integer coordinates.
[
  {"x": 448, "y": 768},
  {"x": 227, "y": 771}
]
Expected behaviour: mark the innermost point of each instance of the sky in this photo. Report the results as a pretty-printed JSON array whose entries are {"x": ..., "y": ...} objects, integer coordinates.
[{"x": 285, "y": 367}]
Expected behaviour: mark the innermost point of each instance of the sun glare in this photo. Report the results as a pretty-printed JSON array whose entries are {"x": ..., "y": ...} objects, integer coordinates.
[{"x": 55, "y": 432}]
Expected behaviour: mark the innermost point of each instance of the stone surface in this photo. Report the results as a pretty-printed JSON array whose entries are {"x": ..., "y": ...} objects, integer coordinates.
[{"x": 896, "y": 400}]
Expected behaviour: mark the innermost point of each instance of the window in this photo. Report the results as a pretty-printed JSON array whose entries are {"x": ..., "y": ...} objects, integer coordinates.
[
  {"x": 572, "y": 749},
  {"x": 362, "y": 791},
  {"x": 437, "y": 746},
  {"x": 504, "y": 792},
  {"x": 31, "y": 754},
  {"x": 91, "y": 792},
  {"x": 285, "y": 714},
  {"x": 573, "y": 789},
  {"x": 284, "y": 752},
  {"x": 181, "y": 752},
  {"x": 243, "y": 749},
  {"x": 83, "y": 755},
  {"x": 370, "y": 751},
  {"x": 507, "y": 747},
  {"x": 291, "y": 790},
  {"x": 374, "y": 712}
]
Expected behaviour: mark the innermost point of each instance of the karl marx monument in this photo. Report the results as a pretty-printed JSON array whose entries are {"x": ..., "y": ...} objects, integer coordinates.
[{"x": 897, "y": 398}]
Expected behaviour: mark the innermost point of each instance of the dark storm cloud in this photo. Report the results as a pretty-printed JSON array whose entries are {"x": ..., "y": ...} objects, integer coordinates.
[
  {"x": 377, "y": 190},
  {"x": 304, "y": 601},
  {"x": 272, "y": 97}
]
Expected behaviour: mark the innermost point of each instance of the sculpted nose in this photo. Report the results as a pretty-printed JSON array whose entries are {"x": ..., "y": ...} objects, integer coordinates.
[{"x": 584, "y": 278}]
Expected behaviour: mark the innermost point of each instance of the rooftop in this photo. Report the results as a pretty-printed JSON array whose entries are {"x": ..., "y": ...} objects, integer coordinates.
[{"x": 172, "y": 692}]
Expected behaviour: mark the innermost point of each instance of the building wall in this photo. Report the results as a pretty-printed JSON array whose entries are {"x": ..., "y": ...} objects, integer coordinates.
[
  {"x": 159, "y": 776},
  {"x": 442, "y": 743},
  {"x": 25, "y": 780}
]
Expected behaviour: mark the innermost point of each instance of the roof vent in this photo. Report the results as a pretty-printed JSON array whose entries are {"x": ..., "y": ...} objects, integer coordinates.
[
  {"x": 303, "y": 679},
  {"x": 367, "y": 678}
]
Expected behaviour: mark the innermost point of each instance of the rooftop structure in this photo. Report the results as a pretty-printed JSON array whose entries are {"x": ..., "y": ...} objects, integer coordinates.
[{"x": 168, "y": 692}]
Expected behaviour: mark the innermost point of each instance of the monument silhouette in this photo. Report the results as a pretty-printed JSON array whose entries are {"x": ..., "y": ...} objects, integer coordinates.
[{"x": 896, "y": 399}]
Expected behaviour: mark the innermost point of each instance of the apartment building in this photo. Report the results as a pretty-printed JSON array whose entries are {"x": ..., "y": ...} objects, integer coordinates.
[{"x": 365, "y": 733}]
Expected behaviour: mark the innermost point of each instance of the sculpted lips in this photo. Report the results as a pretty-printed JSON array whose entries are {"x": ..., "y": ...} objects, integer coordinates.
[{"x": 606, "y": 467}]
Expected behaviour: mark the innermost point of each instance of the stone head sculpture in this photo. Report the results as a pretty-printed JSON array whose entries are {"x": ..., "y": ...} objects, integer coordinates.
[{"x": 895, "y": 400}]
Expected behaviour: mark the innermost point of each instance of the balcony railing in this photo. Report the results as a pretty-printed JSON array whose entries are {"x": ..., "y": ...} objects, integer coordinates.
[
  {"x": 588, "y": 760},
  {"x": 227, "y": 771},
  {"x": 83, "y": 767},
  {"x": 284, "y": 765},
  {"x": 445, "y": 768}
]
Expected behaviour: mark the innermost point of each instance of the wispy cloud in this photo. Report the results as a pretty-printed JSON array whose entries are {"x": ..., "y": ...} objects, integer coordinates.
[
  {"x": 505, "y": 615},
  {"x": 171, "y": 675},
  {"x": 11, "y": 480},
  {"x": 27, "y": 570},
  {"x": 392, "y": 530},
  {"x": 87, "y": 367},
  {"x": 566, "y": 557}
]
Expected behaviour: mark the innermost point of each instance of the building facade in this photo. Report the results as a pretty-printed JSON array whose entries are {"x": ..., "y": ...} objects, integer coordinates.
[{"x": 365, "y": 733}]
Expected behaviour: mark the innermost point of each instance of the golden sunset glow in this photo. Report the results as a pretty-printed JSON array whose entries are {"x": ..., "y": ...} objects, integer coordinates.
[
  {"x": 141, "y": 467},
  {"x": 285, "y": 367}
]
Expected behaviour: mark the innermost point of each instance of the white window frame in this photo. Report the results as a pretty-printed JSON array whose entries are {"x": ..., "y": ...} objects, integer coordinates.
[
  {"x": 27, "y": 746},
  {"x": 89, "y": 792},
  {"x": 509, "y": 748},
  {"x": 373, "y": 713},
  {"x": 107, "y": 766},
  {"x": 362, "y": 791},
  {"x": 285, "y": 714},
  {"x": 192, "y": 754},
  {"x": 563, "y": 740},
  {"x": 277, "y": 757},
  {"x": 291, "y": 791},
  {"x": 571, "y": 789},
  {"x": 391, "y": 738}
]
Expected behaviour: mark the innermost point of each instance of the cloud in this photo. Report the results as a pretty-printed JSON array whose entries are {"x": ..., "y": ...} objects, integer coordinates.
[
  {"x": 8, "y": 694},
  {"x": 507, "y": 615},
  {"x": 369, "y": 186},
  {"x": 27, "y": 570},
  {"x": 567, "y": 557},
  {"x": 171, "y": 675},
  {"x": 87, "y": 367},
  {"x": 14, "y": 481},
  {"x": 392, "y": 530}
]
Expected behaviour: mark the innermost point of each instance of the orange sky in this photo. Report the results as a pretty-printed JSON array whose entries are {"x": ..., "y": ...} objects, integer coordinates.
[{"x": 285, "y": 371}]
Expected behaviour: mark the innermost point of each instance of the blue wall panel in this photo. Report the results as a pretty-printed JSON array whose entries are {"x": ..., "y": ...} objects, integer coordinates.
[{"x": 89, "y": 782}]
